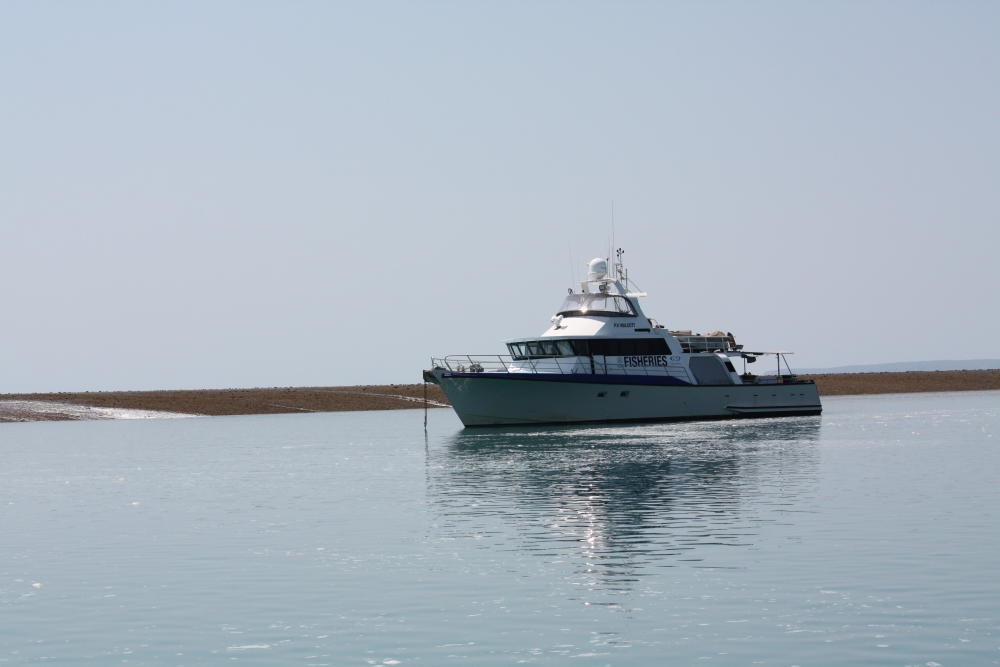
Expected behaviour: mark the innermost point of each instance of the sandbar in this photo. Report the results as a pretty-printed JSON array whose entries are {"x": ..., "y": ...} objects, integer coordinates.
[{"x": 275, "y": 400}]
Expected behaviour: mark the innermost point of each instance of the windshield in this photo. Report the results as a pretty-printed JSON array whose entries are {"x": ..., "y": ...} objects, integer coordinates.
[{"x": 596, "y": 305}]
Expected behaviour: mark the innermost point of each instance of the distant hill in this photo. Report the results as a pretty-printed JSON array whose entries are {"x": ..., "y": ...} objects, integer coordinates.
[{"x": 904, "y": 366}]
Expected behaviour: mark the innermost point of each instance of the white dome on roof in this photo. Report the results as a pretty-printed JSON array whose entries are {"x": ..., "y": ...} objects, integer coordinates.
[{"x": 597, "y": 269}]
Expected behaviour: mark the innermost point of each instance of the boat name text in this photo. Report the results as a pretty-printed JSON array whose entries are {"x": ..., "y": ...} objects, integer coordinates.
[{"x": 643, "y": 360}]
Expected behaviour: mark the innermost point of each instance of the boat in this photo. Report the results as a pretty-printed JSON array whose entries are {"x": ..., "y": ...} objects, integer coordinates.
[{"x": 603, "y": 360}]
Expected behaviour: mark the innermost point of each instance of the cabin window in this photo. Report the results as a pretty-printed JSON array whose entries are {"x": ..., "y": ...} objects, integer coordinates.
[
  {"x": 607, "y": 347},
  {"x": 596, "y": 305},
  {"x": 549, "y": 348},
  {"x": 518, "y": 350},
  {"x": 624, "y": 348},
  {"x": 536, "y": 349}
]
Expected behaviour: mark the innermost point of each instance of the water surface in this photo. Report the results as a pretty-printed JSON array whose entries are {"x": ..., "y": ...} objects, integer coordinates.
[{"x": 865, "y": 536}]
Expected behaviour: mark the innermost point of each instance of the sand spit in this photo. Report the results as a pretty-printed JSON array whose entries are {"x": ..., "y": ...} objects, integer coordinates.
[
  {"x": 200, "y": 402},
  {"x": 29, "y": 411},
  {"x": 204, "y": 402},
  {"x": 839, "y": 384}
]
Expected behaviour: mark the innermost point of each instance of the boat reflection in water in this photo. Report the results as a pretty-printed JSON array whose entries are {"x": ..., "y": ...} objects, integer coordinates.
[{"x": 616, "y": 502}]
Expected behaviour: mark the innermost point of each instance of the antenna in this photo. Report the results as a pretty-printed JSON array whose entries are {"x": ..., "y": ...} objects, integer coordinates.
[
  {"x": 572, "y": 269},
  {"x": 612, "y": 229}
]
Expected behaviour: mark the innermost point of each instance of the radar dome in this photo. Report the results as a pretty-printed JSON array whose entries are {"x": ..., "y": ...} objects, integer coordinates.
[{"x": 597, "y": 268}]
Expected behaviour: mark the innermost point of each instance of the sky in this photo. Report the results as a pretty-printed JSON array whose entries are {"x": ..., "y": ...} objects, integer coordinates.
[{"x": 254, "y": 194}]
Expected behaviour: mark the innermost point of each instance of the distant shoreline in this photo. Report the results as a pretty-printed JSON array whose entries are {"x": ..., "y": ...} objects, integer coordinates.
[
  {"x": 841, "y": 384},
  {"x": 217, "y": 402}
]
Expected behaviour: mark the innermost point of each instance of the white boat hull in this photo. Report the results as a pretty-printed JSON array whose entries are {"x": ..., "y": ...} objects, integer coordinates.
[{"x": 495, "y": 399}]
